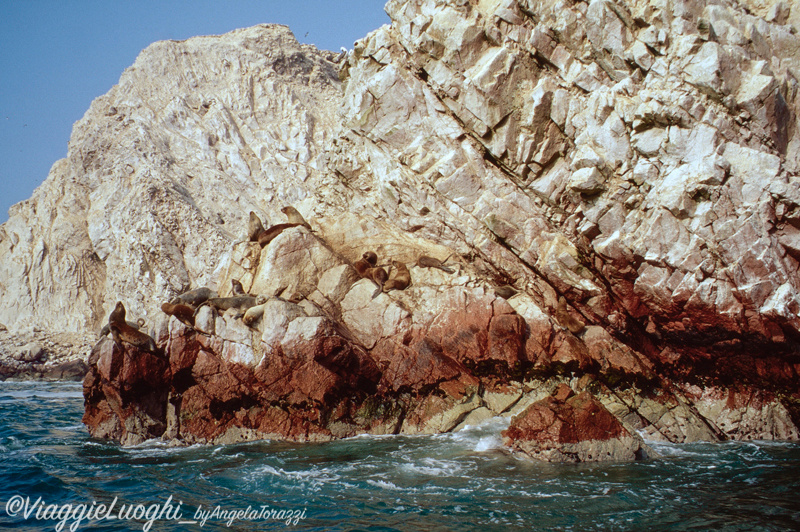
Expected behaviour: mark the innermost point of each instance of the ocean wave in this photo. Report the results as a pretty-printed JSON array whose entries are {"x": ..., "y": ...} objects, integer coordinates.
[
  {"x": 435, "y": 482},
  {"x": 433, "y": 467},
  {"x": 385, "y": 485},
  {"x": 315, "y": 477},
  {"x": 16, "y": 396}
]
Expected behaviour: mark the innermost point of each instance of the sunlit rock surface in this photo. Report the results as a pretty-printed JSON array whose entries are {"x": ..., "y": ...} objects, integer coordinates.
[{"x": 629, "y": 169}]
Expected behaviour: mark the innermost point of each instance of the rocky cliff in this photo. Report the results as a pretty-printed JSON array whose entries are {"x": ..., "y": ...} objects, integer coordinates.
[{"x": 615, "y": 185}]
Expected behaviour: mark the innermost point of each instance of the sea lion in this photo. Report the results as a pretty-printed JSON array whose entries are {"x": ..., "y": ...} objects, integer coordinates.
[
  {"x": 194, "y": 297},
  {"x": 378, "y": 276},
  {"x": 253, "y": 314},
  {"x": 294, "y": 216},
  {"x": 237, "y": 289},
  {"x": 138, "y": 325},
  {"x": 368, "y": 260},
  {"x": 122, "y": 332},
  {"x": 430, "y": 262},
  {"x": 269, "y": 235},
  {"x": 184, "y": 313},
  {"x": 239, "y": 303},
  {"x": 367, "y": 268},
  {"x": 399, "y": 279},
  {"x": 254, "y": 227},
  {"x": 565, "y": 319}
]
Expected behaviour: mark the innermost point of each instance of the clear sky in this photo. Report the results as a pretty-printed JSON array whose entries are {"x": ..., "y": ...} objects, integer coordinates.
[{"x": 56, "y": 56}]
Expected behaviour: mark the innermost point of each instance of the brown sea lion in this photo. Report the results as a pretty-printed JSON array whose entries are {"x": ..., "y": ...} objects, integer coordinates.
[
  {"x": 254, "y": 227},
  {"x": 122, "y": 332},
  {"x": 378, "y": 276},
  {"x": 184, "y": 313},
  {"x": 194, "y": 297},
  {"x": 430, "y": 262},
  {"x": 255, "y": 313},
  {"x": 138, "y": 325},
  {"x": 565, "y": 319},
  {"x": 368, "y": 260},
  {"x": 294, "y": 216},
  {"x": 399, "y": 279},
  {"x": 269, "y": 235},
  {"x": 239, "y": 303},
  {"x": 236, "y": 288}
]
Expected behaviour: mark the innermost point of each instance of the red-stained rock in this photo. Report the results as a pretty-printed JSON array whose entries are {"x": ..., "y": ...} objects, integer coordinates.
[
  {"x": 573, "y": 428},
  {"x": 310, "y": 377},
  {"x": 462, "y": 332},
  {"x": 410, "y": 368},
  {"x": 126, "y": 392},
  {"x": 612, "y": 355},
  {"x": 577, "y": 418},
  {"x": 563, "y": 392},
  {"x": 570, "y": 351},
  {"x": 506, "y": 338}
]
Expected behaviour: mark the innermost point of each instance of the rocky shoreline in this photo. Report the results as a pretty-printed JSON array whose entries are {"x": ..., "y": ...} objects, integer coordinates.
[
  {"x": 332, "y": 361},
  {"x": 615, "y": 186},
  {"x": 41, "y": 356}
]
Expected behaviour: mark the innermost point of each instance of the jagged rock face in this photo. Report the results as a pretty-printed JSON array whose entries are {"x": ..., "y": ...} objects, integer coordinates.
[
  {"x": 339, "y": 359},
  {"x": 161, "y": 174},
  {"x": 639, "y": 159},
  {"x": 630, "y": 168}
]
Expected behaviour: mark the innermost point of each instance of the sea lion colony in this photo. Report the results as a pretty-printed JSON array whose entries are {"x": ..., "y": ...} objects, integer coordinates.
[{"x": 186, "y": 306}]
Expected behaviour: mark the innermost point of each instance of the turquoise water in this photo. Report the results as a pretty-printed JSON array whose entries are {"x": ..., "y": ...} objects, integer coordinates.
[{"x": 460, "y": 481}]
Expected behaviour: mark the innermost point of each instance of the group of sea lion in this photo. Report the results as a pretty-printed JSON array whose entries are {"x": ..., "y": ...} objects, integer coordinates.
[
  {"x": 398, "y": 278},
  {"x": 123, "y": 331},
  {"x": 184, "y": 307},
  {"x": 250, "y": 308}
]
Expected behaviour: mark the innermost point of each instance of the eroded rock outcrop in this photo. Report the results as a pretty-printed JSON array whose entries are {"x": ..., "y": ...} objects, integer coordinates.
[
  {"x": 624, "y": 173},
  {"x": 333, "y": 361},
  {"x": 565, "y": 427}
]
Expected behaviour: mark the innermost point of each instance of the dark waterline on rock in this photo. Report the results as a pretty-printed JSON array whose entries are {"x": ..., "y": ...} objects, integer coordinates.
[{"x": 459, "y": 481}]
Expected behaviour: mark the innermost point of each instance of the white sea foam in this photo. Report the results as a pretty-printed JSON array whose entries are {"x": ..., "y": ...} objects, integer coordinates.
[
  {"x": 384, "y": 484},
  {"x": 482, "y": 437},
  {"x": 312, "y": 477},
  {"x": 156, "y": 448},
  {"x": 433, "y": 467},
  {"x": 12, "y": 396},
  {"x": 487, "y": 443},
  {"x": 372, "y": 437}
]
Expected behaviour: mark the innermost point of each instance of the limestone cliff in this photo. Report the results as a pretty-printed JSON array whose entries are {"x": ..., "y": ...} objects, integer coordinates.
[{"x": 629, "y": 169}]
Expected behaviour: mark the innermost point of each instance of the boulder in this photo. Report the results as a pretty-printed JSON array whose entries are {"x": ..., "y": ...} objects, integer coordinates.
[{"x": 565, "y": 427}]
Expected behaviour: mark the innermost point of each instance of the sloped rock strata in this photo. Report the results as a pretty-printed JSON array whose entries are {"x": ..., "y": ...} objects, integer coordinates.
[
  {"x": 441, "y": 354},
  {"x": 628, "y": 169}
]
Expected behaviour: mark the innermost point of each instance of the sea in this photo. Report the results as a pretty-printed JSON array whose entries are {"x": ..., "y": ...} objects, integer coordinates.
[{"x": 54, "y": 476}]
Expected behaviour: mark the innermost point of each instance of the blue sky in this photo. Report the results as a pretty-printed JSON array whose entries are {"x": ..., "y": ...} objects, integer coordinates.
[{"x": 56, "y": 56}]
